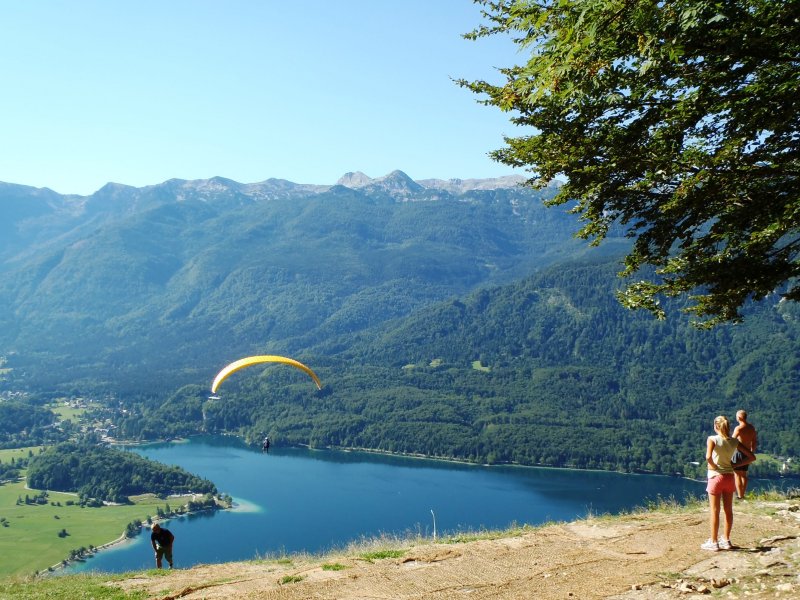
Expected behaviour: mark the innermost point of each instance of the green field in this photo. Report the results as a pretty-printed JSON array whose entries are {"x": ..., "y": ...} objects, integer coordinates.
[
  {"x": 17, "y": 453},
  {"x": 29, "y": 538},
  {"x": 66, "y": 412}
]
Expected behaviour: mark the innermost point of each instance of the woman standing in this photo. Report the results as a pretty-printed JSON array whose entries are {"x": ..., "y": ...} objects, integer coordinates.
[{"x": 721, "y": 480}]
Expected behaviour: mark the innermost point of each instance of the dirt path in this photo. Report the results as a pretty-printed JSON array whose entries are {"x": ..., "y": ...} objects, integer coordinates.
[{"x": 648, "y": 555}]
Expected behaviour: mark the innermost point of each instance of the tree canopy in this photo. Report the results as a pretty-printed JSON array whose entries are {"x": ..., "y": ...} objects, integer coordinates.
[
  {"x": 108, "y": 474},
  {"x": 677, "y": 120}
]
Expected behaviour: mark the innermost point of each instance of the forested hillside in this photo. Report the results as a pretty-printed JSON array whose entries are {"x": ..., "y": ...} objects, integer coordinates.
[
  {"x": 457, "y": 320},
  {"x": 173, "y": 280},
  {"x": 549, "y": 371},
  {"x": 24, "y": 424},
  {"x": 108, "y": 474}
]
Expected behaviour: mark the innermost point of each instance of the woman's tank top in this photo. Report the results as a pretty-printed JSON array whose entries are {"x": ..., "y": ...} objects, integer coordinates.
[{"x": 724, "y": 449}]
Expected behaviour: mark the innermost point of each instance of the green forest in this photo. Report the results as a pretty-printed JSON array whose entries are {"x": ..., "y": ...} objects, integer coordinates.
[
  {"x": 25, "y": 424},
  {"x": 549, "y": 371},
  {"x": 97, "y": 472}
]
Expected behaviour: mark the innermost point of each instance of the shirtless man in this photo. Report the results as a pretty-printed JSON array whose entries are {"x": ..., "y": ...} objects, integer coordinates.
[{"x": 747, "y": 435}]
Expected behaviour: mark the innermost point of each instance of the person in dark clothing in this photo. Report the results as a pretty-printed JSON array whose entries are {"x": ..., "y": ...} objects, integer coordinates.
[
  {"x": 162, "y": 539},
  {"x": 265, "y": 445}
]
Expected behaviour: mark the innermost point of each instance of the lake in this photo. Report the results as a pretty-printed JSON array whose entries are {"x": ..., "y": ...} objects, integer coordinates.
[{"x": 295, "y": 499}]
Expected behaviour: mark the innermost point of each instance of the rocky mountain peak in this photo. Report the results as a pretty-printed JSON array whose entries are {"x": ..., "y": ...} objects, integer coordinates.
[
  {"x": 461, "y": 186},
  {"x": 354, "y": 180},
  {"x": 395, "y": 182}
]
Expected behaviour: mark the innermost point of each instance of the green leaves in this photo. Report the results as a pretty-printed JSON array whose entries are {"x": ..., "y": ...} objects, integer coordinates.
[{"x": 677, "y": 120}]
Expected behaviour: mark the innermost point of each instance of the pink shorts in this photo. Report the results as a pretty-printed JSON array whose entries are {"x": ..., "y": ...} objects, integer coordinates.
[{"x": 721, "y": 484}]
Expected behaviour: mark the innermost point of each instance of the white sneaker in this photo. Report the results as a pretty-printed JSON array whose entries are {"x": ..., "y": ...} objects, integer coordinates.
[
  {"x": 710, "y": 544},
  {"x": 725, "y": 544}
]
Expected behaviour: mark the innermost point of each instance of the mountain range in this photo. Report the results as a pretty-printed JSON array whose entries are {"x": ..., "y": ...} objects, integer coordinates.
[
  {"x": 455, "y": 318},
  {"x": 226, "y": 268}
]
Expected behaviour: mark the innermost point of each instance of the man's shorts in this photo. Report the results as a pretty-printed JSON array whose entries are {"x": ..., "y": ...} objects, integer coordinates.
[
  {"x": 721, "y": 484},
  {"x": 737, "y": 456},
  {"x": 166, "y": 552}
]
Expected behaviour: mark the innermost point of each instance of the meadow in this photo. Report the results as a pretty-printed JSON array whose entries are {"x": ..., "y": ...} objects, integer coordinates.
[
  {"x": 7, "y": 454},
  {"x": 29, "y": 533},
  {"x": 66, "y": 412}
]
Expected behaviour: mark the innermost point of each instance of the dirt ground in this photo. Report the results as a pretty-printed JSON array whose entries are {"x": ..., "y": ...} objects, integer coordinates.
[{"x": 648, "y": 555}]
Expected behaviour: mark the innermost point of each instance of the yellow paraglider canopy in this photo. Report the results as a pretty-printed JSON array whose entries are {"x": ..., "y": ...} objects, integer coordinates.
[{"x": 254, "y": 360}]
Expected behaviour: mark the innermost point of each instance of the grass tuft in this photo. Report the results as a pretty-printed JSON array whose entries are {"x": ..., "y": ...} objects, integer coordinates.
[
  {"x": 95, "y": 586},
  {"x": 774, "y": 494},
  {"x": 492, "y": 534},
  {"x": 382, "y": 554}
]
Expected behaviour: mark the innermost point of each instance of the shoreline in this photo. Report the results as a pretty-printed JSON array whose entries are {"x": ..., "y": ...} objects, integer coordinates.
[
  {"x": 458, "y": 461},
  {"x": 416, "y": 455},
  {"x": 64, "y": 563},
  {"x": 61, "y": 564}
]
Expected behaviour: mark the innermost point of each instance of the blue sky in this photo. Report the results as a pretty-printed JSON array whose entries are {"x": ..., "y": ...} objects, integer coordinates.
[{"x": 141, "y": 92}]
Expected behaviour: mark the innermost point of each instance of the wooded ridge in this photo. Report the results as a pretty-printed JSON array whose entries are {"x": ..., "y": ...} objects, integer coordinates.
[{"x": 461, "y": 324}]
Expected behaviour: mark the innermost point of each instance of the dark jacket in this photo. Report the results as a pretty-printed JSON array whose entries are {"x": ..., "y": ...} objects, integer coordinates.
[{"x": 163, "y": 537}]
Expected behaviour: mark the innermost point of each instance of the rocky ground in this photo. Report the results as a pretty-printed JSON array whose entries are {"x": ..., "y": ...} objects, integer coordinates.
[{"x": 653, "y": 555}]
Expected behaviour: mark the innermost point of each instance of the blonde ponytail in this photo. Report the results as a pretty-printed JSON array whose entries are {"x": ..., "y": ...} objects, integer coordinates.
[{"x": 722, "y": 425}]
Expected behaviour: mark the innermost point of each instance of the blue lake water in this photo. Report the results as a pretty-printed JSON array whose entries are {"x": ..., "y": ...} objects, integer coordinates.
[{"x": 295, "y": 499}]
